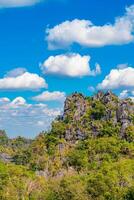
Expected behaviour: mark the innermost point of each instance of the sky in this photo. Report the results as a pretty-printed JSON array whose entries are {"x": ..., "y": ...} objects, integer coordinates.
[{"x": 52, "y": 48}]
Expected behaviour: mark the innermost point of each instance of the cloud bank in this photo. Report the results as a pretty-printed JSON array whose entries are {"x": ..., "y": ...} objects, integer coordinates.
[
  {"x": 85, "y": 33},
  {"x": 26, "y": 117}
]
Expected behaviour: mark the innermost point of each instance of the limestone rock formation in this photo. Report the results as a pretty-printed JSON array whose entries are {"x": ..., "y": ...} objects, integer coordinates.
[
  {"x": 104, "y": 107},
  {"x": 76, "y": 102}
]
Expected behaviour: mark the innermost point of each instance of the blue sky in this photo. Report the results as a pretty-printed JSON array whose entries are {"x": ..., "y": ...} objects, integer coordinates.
[{"x": 51, "y": 48}]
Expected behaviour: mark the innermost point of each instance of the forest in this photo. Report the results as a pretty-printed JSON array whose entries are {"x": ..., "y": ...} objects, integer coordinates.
[{"x": 87, "y": 155}]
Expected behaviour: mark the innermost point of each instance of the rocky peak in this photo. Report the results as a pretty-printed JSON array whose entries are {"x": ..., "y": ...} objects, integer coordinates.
[
  {"x": 75, "y": 104},
  {"x": 108, "y": 107},
  {"x": 105, "y": 97},
  {"x": 99, "y": 95},
  {"x": 108, "y": 97}
]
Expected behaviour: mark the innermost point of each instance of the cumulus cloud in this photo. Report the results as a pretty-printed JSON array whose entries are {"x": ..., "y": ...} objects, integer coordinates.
[
  {"x": 73, "y": 65},
  {"x": 85, "y": 33},
  {"x": 19, "y": 101},
  {"x": 50, "y": 96},
  {"x": 118, "y": 78},
  {"x": 17, "y": 3},
  {"x": 4, "y": 100},
  {"x": 25, "y": 81}
]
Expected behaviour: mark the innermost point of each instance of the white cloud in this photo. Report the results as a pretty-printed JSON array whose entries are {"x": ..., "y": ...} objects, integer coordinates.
[
  {"x": 26, "y": 81},
  {"x": 127, "y": 94},
  {"x": 19, "y": 101},
  {"x": 4, "y": 100},
  {"x": 73, "y": 65},
  {"x": 52, "y": 112},
  {"x": 17, "y": 3},
  {"x": 16, "y": 72},
  {"x": 41, "y": 123},
  {"x": 124, "y": 94},
  {"x": 96, "y": 71},
  {"x": 118, "y": 78},
  {"x": 50, "y": 96},
  {"x": 20, "y": 117},
  {"x": 132, "y": 92},
  {"x": 85, "y": 33}
]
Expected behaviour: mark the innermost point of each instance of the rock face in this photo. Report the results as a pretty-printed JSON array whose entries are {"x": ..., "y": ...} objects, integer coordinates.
[
  {"x": 74, "y": 108},
  {"x": 76, "y": 102},
  {"x": 124, "y": 112},
  {"x": 5, "y": 157},
  {"x": 108, "y": 97},
  {"x": 117, "y": 112}
]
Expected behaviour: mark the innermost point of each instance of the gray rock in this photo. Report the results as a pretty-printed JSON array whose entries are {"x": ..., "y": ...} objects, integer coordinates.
[
  {"x": 108, "y": 97},
  {"x": 5, "y": 157},
  {"x": 68, "y": 135},
  {"x": 98, "y": 96},
  {"x": 76, "y": 102},
  {"x": 123, "y": 116},
  {"x": 80, "y": 135},
  {"x": 45, "y": 173}
]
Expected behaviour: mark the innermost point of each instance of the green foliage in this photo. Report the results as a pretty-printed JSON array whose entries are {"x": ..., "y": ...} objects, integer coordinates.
[
  {"x": 23, "y": 158},
  {"x": 3, "y": 137},
  {"x": 109, "y": 129},
  {"x": 58, "y": 128},
  {"x": 99, "y": 166},
  {"x": 130, "y": 133},
  {"x": 130, "y": 194},
  {"x": 98, "y": 110},
  {"x": 132, "y": 118},
  {"x": 77, "y": 159},
  {"x": 51, "y": 142}
]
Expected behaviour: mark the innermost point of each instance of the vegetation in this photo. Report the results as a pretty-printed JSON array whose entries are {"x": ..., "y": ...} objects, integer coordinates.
[{"x": 99, "y": 166}]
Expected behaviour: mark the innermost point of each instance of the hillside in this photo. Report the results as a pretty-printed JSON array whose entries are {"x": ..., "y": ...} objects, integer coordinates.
[{"x": 87, "y": 155}]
